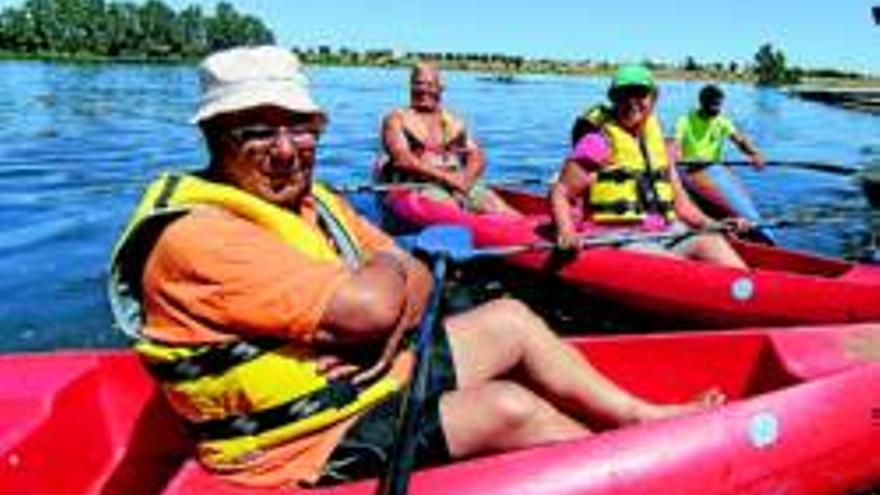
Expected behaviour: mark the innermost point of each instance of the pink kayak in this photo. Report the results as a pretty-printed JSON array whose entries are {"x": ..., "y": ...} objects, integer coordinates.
[
  {"x": 782, "y": 287},
  {"x": 803, "y": 417}
]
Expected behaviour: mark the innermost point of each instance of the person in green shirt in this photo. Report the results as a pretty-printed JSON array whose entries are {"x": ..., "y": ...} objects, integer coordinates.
[
  {"x": 701, "y": 133},
  {"x": 700, "y": 136}
]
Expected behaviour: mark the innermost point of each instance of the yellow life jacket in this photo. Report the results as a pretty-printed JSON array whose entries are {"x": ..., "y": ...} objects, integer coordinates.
[
  {"x": 238, "y": 397},
  {"x": 637, "y": 181}
]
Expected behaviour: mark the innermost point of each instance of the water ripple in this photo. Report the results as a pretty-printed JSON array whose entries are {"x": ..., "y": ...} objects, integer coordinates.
[{"x": 78, "y": 144}]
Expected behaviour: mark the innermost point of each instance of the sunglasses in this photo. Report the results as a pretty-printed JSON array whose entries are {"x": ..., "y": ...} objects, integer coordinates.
[
  {"x": 626, "y": 92},
  {"x": 263, "y": 136}
]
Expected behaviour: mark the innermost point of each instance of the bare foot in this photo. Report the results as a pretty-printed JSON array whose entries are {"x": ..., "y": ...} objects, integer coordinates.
[
  {"x": 708, "y": 399},
  {"x": 864, "y": 346}
]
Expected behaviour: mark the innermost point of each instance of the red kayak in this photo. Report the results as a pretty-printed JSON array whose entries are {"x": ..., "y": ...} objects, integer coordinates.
[
  {"x": 803, "y": 417},
  {"x": 783, "y": 287}
]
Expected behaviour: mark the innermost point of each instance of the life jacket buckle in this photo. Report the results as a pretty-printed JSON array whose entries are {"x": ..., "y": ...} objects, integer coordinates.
[{"x": 244, "y": 425}]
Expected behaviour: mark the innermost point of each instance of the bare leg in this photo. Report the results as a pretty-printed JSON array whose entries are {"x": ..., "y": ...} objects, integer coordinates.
[
  {"x": 714, "y": 248},
  {"x": 504, "y": 336},
  {"x": 865, "y": 344},
  {"x": 654, "y": 249},
  {"x": 501, "y": 415},
  {"x": 492, "y": 203}
]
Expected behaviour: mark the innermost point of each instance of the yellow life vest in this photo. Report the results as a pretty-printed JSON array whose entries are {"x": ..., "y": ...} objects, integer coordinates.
[
  {"x": 637, "y": 181},
  {"x": 238, "y": 397}
]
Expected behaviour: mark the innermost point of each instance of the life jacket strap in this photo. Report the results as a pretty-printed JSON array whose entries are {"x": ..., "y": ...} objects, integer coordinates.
[
  {"x": 213, "y": 360},
  {"x": 622, "y": 207},
  {"x": 336, "y": 394},
  {"x": 621, "y": 175},
  {"x": 341, "y": 239}
]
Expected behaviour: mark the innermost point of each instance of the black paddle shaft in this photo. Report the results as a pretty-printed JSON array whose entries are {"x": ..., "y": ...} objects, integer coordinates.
[
  {"x": 402, "y": 462},
  {"x": 831, "y": 168}
]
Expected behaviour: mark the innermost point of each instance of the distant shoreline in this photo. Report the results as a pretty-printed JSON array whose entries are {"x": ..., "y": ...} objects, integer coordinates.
[
  {"x": 510, "y": 72},
  {"x": 506, "y": 68},
  {"x": 503, "y": 72},
  {"x": 83, "y": 58}
]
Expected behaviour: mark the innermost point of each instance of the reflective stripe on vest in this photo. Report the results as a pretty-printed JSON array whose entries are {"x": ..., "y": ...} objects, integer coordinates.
[
  {"x": 238, "y": 397},
  {"x": 637, "y": 182}
]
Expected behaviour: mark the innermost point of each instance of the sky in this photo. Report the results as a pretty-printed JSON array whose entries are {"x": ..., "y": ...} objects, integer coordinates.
[{"x": 816, "y": 33}]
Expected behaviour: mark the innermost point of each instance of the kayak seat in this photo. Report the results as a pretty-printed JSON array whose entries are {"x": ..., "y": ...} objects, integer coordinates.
[{"x": 742, "y": 364}]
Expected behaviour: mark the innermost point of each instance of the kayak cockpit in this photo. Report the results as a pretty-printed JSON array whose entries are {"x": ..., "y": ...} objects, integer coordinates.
[{"x": 764, "y": 257}]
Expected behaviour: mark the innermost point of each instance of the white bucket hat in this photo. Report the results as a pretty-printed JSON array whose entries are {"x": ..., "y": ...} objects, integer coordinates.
[{"x": 247, "y": 77}]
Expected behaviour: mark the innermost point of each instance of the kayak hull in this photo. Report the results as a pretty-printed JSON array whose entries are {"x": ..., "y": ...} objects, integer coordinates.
[
  {"x": 802, "y": 418},
  {"x": 783, "y": 287}
]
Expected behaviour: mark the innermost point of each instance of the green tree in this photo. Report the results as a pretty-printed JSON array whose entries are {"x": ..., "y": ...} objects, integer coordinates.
[
  {"x": 221, "y": 27},
  {"x": 126, "y": 29},
  {"x": 193, "y": 31},
  {"x": 90, "y": 30},
  {"x": 253, "y": 32},
  {"x": 770, "y": 67},
  {"x": 690, "y": 64},
  {"x": 18, "y": 31},
  {"x": 157, "y": 21},
  {"x": 125, "y": 33},
  {"x": 46, "y": 25}
]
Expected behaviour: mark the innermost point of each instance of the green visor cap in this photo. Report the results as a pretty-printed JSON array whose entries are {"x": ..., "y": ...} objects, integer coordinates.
[{"x": 632, "y": 75}]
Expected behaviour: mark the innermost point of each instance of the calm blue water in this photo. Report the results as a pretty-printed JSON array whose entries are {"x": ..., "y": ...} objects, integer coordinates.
[{"x": 77, "y": 143}]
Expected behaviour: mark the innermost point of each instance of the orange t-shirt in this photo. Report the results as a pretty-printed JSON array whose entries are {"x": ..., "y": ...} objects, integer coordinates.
[{"x": 214, "y": 276}]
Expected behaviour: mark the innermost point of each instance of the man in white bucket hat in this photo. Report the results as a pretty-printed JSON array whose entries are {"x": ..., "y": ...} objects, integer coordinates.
[
  {"x": 242, "y": 78},
  {"x": 272, "y": 314},
  {"x": 264, "y": 86}
]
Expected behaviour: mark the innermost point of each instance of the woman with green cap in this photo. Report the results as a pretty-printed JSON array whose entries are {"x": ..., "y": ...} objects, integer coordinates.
[{"x": 622, "y": 173}]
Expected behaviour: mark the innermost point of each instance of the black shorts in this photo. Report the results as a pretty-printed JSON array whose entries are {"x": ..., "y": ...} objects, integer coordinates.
[{"x": 365, "y": 449}]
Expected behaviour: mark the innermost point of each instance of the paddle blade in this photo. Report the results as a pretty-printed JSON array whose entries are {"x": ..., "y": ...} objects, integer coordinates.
[
  {"x": 452, "y": 241},
  {"x": 876, "y": 11}
]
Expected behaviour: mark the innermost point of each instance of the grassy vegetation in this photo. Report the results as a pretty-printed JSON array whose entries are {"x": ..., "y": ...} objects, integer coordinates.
[{"x": 509, "y": 65}]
